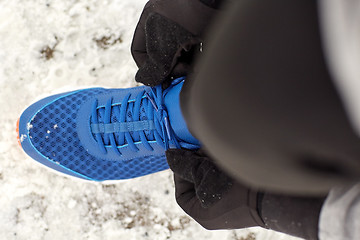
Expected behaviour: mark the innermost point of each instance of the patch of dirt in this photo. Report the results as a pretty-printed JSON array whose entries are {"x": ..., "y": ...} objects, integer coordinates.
[
  {"x": 250, "y": 236},
  {"x": 107, "y": 41},
  {"x": 47, "y": 52}
]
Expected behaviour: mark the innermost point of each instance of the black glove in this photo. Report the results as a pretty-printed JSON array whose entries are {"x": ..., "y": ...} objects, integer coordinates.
[
  {"x": 216, "y": 201},
  {"x": 168, "y": 36},
  {"x": 210, "y": 196}
]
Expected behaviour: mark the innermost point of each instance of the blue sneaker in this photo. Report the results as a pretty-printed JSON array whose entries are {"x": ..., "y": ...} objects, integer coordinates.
[{"x": 102, "y": 134}]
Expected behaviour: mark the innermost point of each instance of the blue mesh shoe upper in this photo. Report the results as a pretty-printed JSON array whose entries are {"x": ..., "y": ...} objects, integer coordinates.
[{"x": 101, "y": 134}]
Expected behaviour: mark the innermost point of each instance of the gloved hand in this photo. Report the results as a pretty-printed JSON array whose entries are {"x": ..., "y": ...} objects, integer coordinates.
[
  {"x": 210, "y": 196},
  {"x": 168, "y": 36},
  {"x": 216, "y": 201}
]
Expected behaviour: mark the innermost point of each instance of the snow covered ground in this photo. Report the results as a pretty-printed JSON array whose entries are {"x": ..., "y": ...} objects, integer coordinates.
[{"x": 49, "y": 46}]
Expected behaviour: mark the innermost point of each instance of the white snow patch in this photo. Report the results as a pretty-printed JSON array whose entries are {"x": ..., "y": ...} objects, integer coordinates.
[
  {"x": 29, "y": 126},
  {"x": 22, "y": 137},
  {"x": 71, "y": 204}
]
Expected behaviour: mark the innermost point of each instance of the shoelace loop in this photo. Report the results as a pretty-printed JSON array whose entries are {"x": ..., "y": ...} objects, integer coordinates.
[{"x": 122, "y": 133}]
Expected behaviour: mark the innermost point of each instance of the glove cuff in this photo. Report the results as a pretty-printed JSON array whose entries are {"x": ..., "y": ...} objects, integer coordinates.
[{"x": 294, "y": 215}]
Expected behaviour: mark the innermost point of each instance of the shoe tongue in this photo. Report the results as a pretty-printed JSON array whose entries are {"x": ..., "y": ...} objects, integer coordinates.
[{"x": 177, "y": 122}]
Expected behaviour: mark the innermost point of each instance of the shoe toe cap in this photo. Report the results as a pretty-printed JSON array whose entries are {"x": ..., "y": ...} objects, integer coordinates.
[{"x": 38, "y": 132}]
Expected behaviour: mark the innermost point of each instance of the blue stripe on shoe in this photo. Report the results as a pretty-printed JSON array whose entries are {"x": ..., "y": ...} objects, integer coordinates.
[{"x": 122, "y": 126}]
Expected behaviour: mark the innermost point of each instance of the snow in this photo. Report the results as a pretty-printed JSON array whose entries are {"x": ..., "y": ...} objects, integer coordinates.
[{"x": 49, "y": 47}]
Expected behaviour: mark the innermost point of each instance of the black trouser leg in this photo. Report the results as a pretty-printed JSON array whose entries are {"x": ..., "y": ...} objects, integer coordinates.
[{"x": 263, "y": 102}]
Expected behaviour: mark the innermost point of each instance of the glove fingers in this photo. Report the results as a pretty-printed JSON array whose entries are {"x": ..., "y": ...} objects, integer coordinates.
[
  {"x": 166, "y": 43},
  {"x": 184, "y": 190},
  {"x": 164, "y": 46},
  {"x": 186, "y": 197},
  {"x": 183, "y": 163},
  {"x": 211, "y": 183}
]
